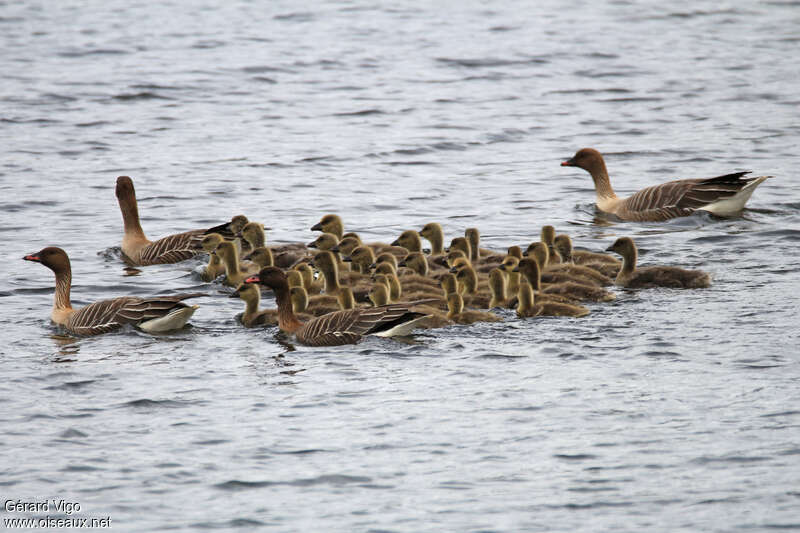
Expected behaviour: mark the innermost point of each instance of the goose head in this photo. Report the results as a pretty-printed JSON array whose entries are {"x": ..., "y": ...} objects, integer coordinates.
[
  {"x": 237, "y": 224},
  {"x": 346, "y": 245},
  {"x": 529, "y": 269},
  {"x": 271, "y": 277},
  {"x": 588, "y": 159},
  {"x": 330, "y": 224},
  {"x": 515, "y": 251},
  {"x": 253, "y": 233},
  {"x": 262, "y": 256},
  {"x": 248, "y": 292},
  {"x": 385, "y": 268},
  {"x": 211, "y": 241},
  {"x": 460, "y": 243},
  {"x": 473, "y": 237},
  {"x": 453, "y": 255},
  {"x": 326, "y": 241},
  {"x": 625, "y": 247},
  {"x": 467, "y": 279},
  {"x": 385, "y": 257},
  {"x": 306, "y": 273},
  {"x": 362, "y": 257},
  {"x": 416, "y": 262},
  {"x": 432, "y": 231},
  {"x": 563, "y": 245},
  {"x": 458, "y": 263},
  {"x": 548, "y": 234},
  {"x": 52, "y": 257},
  {"x": 410, "y": 240},
  {"x": 539, "y": 252},
  {"x": 509, "y": 263}
]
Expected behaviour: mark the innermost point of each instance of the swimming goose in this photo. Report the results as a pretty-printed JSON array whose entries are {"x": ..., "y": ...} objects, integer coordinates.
[
  {"x": 527, "y": 308},
  {"x": 326, "y": 264},
  {"x": 339, "y": 327},
  {"x": 330, "y": 224},
  {"x": 498, "y": 287},
  {"x": 153, "y": 314},
  {"x": 433, "y": 233},
  {"x": 456, "y": 312},
  {"x": 385, "y": 257},
  {"x": 655, "y": 276},
  {"x": 473, "y": 236},
  {"x": 137, "y": 250},
  {"x": 346, "y": 298},
  {"x": 449, "y": 283},
  {"x": 262, "y": 256},
  {"x": 460, "y": 243},
  {"x": 417, "y": 262},
  {"x": 346, "y": 246},
  {"x": 558, "y": 273},
  {"x": 410, "y": 240},
  {"x": 530, "y": 268},
  {"x": 253, "y": 234},
  {"x": 392, "y": 283},
  {"x": 361, "y": 258},
  {"x": 235, "y": 271},
  {"x": 307, "y": 275},
  {"x": 515, "y": 251},
  {"x": 453, "y": 257},
  {"x": 326, "y": 241},
  {"x": 603, "y": 263},
  {"x": 582, "y": 273},
  {"x": 253, "y": 316},
  {"x": 509, "y": 263},
  {"x": 548, "y": 235},
  {"x": 722, "y": 196},
  {"x": 215, "y": 268}
]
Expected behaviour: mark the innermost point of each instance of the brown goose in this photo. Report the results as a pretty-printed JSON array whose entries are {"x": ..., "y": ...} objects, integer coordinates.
[
  {"x": 330, "y": 224},
  {"x": 410, "y": 240},
  {"x": 433, "y": 233},
  {"x": 214, "y": 268},
  {"x": 361, "y": 258},
  {"x": 529, "y": 268},
  {"x": 655, "y": 276},
  {"x": 527, "y": 308},
  {"x": 262, "y": 256},
  {"x": 137, "y": 250},
  {"x": 155, "y": 314},
  {"x": 548, "y": 236},
  {"x": 603, "y": 263},
  {"x": 339, "y": 327},
  {"x": 235, "y": 271},
  {"x": 722, "y": 196},
  {"x": 253, "y": 234},
  {"x": 253, "y": 316},
  {"x": 456, "y": 312},
  {"x": 499, "y": 288},
  {"x": 515, "y": 251}
]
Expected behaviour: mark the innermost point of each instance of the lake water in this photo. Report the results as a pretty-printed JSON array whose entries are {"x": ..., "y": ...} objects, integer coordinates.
[{"x": 662, "y": 411}]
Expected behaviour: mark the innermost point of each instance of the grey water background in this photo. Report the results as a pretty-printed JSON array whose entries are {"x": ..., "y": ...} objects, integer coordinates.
[{"x": 663, "y": 411}]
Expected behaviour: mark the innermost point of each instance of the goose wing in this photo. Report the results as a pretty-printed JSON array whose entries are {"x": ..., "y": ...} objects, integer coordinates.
[
  {"x": 347, "y": 327},
  {"x": 681, "y": 197},
  {"x": 173, "y": 248},
  {"x": 108, "y": 315}
]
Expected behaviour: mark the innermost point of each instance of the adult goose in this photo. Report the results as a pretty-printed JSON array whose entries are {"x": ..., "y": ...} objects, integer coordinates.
[
  {"x": 138, "y": 250},
  {"x": 722, "y": 195},
  {"x": 155, "y": 314},
  {"x": 339, "y": 327},
  {"x": 655, "y": 276}
]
